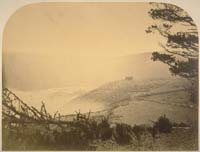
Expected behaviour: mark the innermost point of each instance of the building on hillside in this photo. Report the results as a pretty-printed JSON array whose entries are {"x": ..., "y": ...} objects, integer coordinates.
[{"x": 128, "y": 78}]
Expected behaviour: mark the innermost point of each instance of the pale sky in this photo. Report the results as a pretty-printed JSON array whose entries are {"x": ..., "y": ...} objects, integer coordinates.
[
  {"x": 66, "y": 42},
  {"x": 80, "y": 29}
]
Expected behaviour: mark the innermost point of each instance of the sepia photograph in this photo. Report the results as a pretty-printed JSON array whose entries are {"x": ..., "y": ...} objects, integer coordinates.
[{"x": 100, "y": 76}]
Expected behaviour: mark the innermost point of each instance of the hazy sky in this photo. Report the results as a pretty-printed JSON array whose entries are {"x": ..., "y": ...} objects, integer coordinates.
[
  {"x": 66, "y": 42},
  {"x": 80, "y": 29}
]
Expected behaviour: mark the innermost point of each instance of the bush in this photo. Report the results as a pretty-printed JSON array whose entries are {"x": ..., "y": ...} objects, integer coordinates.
[
  {"x": 104, "y": 130},
  {"x": 123, "y": 133},
  {"x": 181, "y": 124},
  {"x": 163, "y": 125},
  {"x": 153, "y": 131},
  {"x": 138, "y": 131},
  {"x": 83, "y": 131},
  {"x": 79, "y": 132}
]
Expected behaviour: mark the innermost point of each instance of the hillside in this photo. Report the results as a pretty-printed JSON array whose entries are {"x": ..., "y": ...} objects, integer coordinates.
[
  {"x": 121, "y": 90},
  {"x": 130, "y": 101},
  {"x": 151, "y": 93}
]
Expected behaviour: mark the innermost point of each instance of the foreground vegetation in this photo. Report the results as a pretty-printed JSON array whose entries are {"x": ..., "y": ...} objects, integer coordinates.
[{"x": 85, "y": 133}]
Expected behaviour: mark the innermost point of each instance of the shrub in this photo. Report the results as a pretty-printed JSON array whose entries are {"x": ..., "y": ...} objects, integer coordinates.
[
  {"x": 104, "y": 130},
  {"x": 138, "y": 131},
  {"x": 79, "y": 132},
  {"x": 93, "y": 131},
  {"x": 181, "y": 124},
  {"x": 153, "y": 131},
  {"x": 123, "y": 133},
  {"x": 163, "y": 125}
]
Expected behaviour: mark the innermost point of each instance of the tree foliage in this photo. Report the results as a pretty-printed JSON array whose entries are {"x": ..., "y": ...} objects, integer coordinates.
[
  {"x": 163, "y": 125},
  {"x": 181, "y": 45}
]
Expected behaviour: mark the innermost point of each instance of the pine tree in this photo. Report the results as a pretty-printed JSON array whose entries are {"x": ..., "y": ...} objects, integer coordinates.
[{"x": 181, "y": 46}]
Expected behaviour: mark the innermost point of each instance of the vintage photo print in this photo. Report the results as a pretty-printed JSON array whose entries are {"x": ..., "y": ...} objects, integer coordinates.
[{"x": 100, "y": 76}]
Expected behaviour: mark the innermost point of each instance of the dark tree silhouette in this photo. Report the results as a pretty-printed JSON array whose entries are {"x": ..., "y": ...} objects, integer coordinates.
[{"x": 181, "y": 46}]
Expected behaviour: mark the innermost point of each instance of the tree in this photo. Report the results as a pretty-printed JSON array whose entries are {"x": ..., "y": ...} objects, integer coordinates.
[
  {"x": 181, "y": 46},
  {"x": 163, "y": 124}
]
